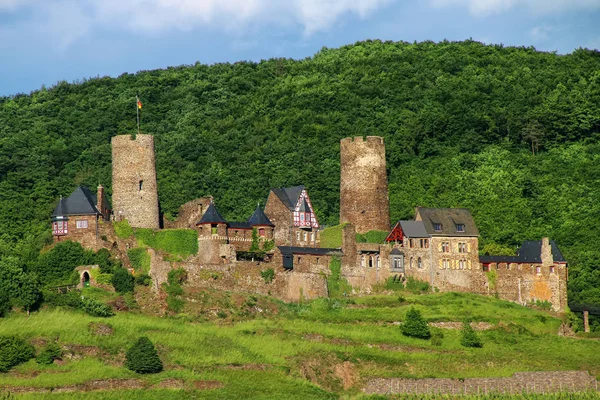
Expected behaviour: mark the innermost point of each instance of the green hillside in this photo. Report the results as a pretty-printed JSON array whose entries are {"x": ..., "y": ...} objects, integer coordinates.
[
  {"x": 259, "y": 348},
  {"x": 511, "y": 133}
]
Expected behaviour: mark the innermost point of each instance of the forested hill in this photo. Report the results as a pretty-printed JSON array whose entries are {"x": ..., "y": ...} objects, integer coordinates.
[{"x": 462, "y": 122}]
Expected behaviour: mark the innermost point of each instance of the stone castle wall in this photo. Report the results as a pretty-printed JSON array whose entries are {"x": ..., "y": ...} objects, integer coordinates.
[
  {"x": 364, "y": 200},
  {"x": 135, "y": 193}
]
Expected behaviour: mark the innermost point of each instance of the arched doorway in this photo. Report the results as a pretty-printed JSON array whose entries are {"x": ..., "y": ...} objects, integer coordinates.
[{"x": 85, "y": 279}]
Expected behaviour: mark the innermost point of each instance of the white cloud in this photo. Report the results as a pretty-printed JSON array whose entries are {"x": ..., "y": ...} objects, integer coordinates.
[
  {"x": 156, "y": 16},
  {"x": 540, "y": 33},
  {"x": 488, "y": 7}
]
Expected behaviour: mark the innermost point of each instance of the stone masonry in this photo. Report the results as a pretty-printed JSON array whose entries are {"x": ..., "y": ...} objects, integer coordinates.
[
  {"x": 519, "y": 383},
  {"x": 135, "y": 193},
  {"x": 364, "y": 200}
]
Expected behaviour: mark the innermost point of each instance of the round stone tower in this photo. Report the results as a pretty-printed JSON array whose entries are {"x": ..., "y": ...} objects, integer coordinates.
[
  {"x": 364, "y": 199},
  {"x": 135, "y": 194}
]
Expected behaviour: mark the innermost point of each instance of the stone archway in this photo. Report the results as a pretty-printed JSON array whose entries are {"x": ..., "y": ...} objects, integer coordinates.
[{"x": 85, "y": 279}]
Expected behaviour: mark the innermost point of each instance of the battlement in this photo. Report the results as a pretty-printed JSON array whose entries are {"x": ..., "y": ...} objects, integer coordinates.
[
  {"x": 142, "y": 140},
  {"x": 376, "y": 140}
]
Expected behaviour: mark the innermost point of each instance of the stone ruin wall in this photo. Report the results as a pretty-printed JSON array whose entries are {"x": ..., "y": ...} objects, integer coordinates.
[
  {"x": 189, "y": 213},
  {"x": 364, "y": 199},
  {"x": 519, "y": 383},
  {"x": 133, "y": 161}
]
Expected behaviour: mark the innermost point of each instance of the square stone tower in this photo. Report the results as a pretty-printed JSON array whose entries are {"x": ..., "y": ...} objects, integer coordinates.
[
  {"x": 135, "y": 193},
  {"x": 364, "y": 199}
]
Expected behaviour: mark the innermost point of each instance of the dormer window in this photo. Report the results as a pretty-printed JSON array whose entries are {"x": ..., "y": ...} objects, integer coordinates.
[
  {"x": 437, "y": 227},
  {"x": 460, "y": 227}
]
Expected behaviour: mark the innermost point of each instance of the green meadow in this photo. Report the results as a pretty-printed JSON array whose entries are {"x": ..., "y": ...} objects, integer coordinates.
[{"x": 293, "y": 351}]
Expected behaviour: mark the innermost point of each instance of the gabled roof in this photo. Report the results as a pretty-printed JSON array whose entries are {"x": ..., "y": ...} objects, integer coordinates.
[
  {"x": 239, "y": 225},
  {"x": 259, "y": 218},
  {"x": 413, "y": 229},
  {"x": 289, "y": 196},
  {"x": 211, "y": 216},
  {"x": 448, "y": 218},
  {"x": 81, "y": 202},
  {"x": 304, "y": 207},
  {"x": 530, "y": 252}
]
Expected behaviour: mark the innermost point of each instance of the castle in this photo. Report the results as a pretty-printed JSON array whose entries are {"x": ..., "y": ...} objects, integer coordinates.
[{"x": 440, "y": 246}]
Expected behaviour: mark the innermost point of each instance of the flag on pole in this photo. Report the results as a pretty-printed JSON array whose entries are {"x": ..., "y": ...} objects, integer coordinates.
[{"x": 139, "y": 103}]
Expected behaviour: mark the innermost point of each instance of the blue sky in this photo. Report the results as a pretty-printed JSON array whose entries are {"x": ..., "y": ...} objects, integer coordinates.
[{"x": 45, "y": 41}]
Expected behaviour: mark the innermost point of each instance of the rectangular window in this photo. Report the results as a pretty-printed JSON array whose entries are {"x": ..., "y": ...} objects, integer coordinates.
[
  {"x": 301, "y": 216},
  {"x": 426, "y": 243},
  {"x": 445, "y": 247},
  {"x": 486, "y": 267},
  {"x": 551, "y": 270},
  {"x": 462, "y": 247},
  {"x": 538, "y": 270},
  {"x": 462, "y": 264},
  {"x": 312, "y": 236},
  {"x": 411, "y": 243},
  {"x": 305, "y": 236},
  {"x": 437, "y": 227},
  {"x": 298, "y": 236},
  {"x": 82, "y": 224},
  {"x": 460, "y": 227},
  {"x": 445, "y": 264},
  {"x": 362, "y": 261}
]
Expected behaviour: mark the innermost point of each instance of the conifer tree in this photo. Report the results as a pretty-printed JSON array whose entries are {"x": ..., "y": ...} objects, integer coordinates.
[
  {"x": 414, "y": 325},
  {"x": 469, "y": 337},
  {"x": 143, "y": 358}
]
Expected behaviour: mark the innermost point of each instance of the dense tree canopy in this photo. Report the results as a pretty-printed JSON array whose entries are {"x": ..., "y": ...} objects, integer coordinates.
[{"x": 511, "y": 133}]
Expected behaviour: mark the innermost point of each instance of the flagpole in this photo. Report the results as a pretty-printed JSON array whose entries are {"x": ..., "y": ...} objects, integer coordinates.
[{"x": 137, "y": 109}]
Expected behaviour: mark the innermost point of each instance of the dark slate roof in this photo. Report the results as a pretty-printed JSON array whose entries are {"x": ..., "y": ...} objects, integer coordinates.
[
  {"x": 413, "y": 229},
  {"x": 304, "y": 207},
  {"x": 530, "y": 252},
  {"x": 317, "y": 251},
  {"x": 81, "y": 202},
  {"x": 289, "y": 196},
  {"x": 239, "y": 225},
  {"x": 448, "y": 218},
  {"x": 259, "y": 218},
  {"x": 211, "y": 216}
]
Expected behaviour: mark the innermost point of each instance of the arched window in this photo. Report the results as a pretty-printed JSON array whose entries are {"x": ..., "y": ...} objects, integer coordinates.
[
  {"x": 419, "y": 263},
  {"x": 261, "y": 232},
  {"x": 141, "y": 184}
]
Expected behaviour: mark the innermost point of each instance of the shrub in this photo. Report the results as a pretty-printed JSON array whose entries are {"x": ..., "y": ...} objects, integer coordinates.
[
  {"x": 469, "y": 337},
  {"x": 122, "y": 280},
  {"x": 4, "y": 303},
  {"x": 139, "y": 259},
  {"x": 123, "y": 229},
  {"x": 70, "y": 299},
  {"x": 436, "y": 337},
  {"x": 143, "y": 358},
  {"x": 416, "y": 285},
  {"x": 177, "y": 242},
  {"x": 394, "y": 283},
  {"x": 96, "y": 308},
  {"x": 268, "y": 275},
  {"x": 414, "y": 325},
  {"x": 50, "y": 353},
  {"x": 336, "y": 285},
  {"x": 143, "y": 280},
  {"x": 14, "y": 351}
]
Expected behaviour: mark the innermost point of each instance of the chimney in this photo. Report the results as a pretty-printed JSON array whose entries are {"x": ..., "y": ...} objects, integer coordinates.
[
  {"x": 100, "y": 201},
  {"x": 547, "y": 258}
]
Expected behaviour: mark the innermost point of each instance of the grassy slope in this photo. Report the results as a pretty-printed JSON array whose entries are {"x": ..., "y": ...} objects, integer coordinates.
[{"x": 365, "y": 333}]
